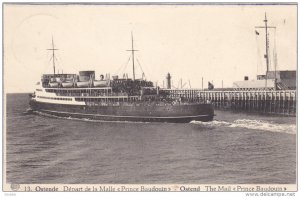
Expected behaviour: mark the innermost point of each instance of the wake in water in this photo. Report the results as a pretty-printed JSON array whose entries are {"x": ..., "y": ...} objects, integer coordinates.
[
  {"x": 252, "y": 124},
  {"x": 28, "y": 111},
  {"x": 239, "y": 123}
]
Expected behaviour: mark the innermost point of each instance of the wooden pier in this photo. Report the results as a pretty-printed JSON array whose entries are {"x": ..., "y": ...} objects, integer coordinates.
[{"x": 281, "y": 102}]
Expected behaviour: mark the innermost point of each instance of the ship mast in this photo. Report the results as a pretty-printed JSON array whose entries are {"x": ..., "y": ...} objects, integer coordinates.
[
  {"x": 266, "y": 27},
  {"x": 132, "y": 50},
  {"x": 53, "y": 55},
  {"x": 267, "y": 42}
]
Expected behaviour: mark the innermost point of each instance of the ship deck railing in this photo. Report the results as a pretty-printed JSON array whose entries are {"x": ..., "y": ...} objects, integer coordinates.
[
  {"x": 78, "y": 88},
  {"x": 143, "y": 103},
  {"x": 121, "y": 95}
]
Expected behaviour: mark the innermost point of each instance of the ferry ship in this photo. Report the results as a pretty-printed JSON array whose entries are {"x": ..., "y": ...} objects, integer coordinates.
[{"x": 113, "y": 98}]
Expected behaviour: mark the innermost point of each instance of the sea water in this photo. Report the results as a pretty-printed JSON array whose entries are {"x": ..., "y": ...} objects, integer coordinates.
[{"x": 231, "y": 149}]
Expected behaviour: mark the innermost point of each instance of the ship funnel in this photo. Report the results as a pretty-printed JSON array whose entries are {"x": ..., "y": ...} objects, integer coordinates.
[{"x": 168, "y": 81}]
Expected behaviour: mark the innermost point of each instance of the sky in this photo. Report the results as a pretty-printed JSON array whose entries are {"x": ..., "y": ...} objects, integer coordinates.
[{"x": 216, "y": 42}]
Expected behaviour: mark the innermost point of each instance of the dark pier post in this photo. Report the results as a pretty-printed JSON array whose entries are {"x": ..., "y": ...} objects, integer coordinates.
[
  {"x": 294, "y": 103},
  {"x": 284, "y": 102},
  {"x": 288, "y": 103},
  {"x": 271, "y": 103}
]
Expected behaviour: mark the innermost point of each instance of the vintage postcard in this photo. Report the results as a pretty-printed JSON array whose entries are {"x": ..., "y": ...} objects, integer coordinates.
[{"x": 150, "y": 97}]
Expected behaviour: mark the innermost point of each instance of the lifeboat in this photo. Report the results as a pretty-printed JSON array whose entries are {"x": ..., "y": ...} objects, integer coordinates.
[
  {"x": 53, "y": 84},
  {"x": 67, "y": 84},
  {"x": 58, "y": 79},
  {"x": 83, "y": 84},
  {"x": 100, "y": 83}
]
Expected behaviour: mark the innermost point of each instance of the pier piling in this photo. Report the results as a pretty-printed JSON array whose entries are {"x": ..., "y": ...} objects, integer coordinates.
[{"x": 281, "y": 102}]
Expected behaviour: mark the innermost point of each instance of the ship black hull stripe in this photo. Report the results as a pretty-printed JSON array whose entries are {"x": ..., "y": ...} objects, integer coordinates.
[{"x": 155, "y": 117}]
